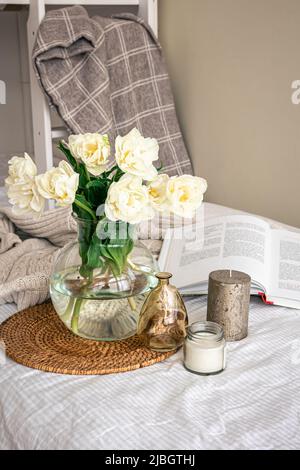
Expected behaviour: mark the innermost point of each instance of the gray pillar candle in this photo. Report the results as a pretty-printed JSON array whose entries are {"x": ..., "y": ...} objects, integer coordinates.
[{"x": 228, "y": 302}]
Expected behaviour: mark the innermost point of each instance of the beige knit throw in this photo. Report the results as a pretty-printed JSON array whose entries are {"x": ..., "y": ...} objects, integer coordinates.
[{"x": 25, "y": 265}]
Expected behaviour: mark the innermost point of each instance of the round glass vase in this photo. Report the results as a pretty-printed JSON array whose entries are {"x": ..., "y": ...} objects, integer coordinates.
[{"x": 102, "y": 303}]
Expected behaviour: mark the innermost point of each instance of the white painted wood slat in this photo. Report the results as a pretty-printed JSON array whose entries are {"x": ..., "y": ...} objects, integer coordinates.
[{"x": 40, "y": 110}]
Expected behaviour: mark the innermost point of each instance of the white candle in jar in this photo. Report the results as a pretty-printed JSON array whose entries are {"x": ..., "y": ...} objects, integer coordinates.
[{"x": 204, "y": 348}]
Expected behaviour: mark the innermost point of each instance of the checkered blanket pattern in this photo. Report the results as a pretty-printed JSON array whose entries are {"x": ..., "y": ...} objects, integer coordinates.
[{"x": 108, "y": 75}]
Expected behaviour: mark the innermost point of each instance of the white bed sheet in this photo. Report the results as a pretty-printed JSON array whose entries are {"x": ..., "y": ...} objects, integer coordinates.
[{"x": 253, "y": 404}]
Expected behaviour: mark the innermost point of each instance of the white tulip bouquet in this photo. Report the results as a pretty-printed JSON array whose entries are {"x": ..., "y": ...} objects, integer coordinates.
[{"x": 129, "y": 192}]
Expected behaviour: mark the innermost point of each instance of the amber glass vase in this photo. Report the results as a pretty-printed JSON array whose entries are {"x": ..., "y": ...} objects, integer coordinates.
[{"x": 163, "y": 319}]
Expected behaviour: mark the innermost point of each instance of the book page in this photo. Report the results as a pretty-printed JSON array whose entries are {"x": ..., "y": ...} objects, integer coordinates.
[
  {"x": 285, "y": 265},
  {"x": 235, "y": 242}
]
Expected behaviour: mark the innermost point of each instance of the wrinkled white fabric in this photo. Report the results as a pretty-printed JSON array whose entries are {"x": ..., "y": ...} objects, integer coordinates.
[{"x": 253, "y": 404}]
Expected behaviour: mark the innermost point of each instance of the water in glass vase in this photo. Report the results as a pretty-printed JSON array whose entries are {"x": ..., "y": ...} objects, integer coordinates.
[
  {"x": 105, "y": 308},
  {"x": 101, "y": 303}
]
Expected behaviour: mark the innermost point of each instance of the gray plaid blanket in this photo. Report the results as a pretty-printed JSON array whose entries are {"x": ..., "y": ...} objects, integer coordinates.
[{"x": 108, "y": 75}]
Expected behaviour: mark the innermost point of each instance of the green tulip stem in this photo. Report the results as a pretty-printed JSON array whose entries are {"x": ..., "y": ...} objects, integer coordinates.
[
  {"x": 75, "y": 316},
  {"x": 69, "y": 309},
  {"x": 85, "y": 208}
]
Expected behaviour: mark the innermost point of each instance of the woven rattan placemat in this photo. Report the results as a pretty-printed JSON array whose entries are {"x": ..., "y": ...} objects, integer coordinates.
[{"x": 37, "y": 338}]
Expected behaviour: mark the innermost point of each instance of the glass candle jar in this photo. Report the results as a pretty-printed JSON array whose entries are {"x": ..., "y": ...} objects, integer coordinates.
[{"x": 204, "y": 348}]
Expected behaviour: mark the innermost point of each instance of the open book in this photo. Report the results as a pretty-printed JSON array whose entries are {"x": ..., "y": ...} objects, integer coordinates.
[{"x": 238, "y": 242}]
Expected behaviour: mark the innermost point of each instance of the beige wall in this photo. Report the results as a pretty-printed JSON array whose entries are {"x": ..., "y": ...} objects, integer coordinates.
[{"x": 232, "y": 63}]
